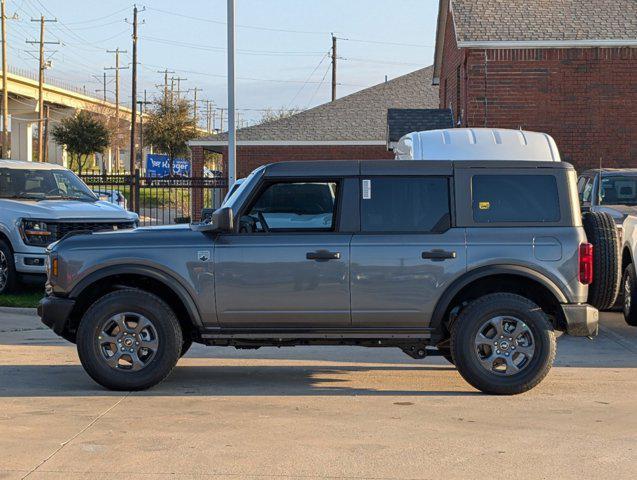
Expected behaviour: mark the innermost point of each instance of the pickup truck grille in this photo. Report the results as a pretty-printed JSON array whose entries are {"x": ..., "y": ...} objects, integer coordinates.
[{"x": 60, "y": 229}]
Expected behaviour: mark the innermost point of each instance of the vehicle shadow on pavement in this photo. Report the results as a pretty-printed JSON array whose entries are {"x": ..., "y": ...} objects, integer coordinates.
[{"x": 237, "y": 381}]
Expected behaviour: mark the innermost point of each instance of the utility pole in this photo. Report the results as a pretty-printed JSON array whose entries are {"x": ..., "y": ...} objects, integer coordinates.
[
  {"x": 142, "y": 107},
  {"x": 194, "y": 110},
  {"x": 133, "y": 121},
  {"x": 103, "y": 90},
  {"x": 232, "y": 91},
  {"x": 221, "y": 127},
  {"x": 43, "y": 66},
  {"x": 117, "y": 68},
  {"x": 178, "y": 80},
  {"x": 333, "y": 67},
  {"x": 165, "y": 72}
]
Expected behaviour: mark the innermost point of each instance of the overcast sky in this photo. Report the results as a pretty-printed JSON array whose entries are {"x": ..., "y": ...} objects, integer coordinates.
[{"x": 282, "y": 45}]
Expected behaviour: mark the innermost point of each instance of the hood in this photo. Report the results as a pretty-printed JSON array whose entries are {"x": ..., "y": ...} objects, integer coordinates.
[
  {"x": 67, "y": 209},
  {"x": 170, "y": 236},
  {"x": 619, "y": 212}
]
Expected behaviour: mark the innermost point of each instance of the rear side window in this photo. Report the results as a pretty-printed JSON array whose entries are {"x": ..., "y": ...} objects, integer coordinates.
[
  {"x": 515, "y": 198},
  {"x": 405, "y": 204}
]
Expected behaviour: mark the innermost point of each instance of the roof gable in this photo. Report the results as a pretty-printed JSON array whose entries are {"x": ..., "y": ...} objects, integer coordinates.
[{"x": 359, "y": 117}]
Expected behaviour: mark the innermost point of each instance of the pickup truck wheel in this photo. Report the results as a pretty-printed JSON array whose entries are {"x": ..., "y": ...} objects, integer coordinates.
[
  {"x": 629, "y": 295},
  {"x": 8, "y": 274},
  {"x": 503, "y": 344},
  {"x": 129, "y": 340},
  {"x": 602, "y": 233}
]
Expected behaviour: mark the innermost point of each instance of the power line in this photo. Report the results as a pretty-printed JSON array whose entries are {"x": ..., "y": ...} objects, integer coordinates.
[{"x": 308, "y": 79}]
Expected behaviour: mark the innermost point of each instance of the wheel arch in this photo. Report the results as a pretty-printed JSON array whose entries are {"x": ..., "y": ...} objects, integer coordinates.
[
  {"x": 490, "y": 279},
  {"x": 149, "y": 279},
  {"x": 627, "y": 258}
]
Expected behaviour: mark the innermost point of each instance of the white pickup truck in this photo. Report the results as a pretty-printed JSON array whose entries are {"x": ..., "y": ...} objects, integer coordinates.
[
  {"x": 39, "y": 204},
  {"x": 629, "y": 276}
]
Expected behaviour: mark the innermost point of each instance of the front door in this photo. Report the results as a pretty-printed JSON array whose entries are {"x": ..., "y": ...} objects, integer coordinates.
[
  {"x": 288, "y": 267},
  {"x": 406, "y": 253}
]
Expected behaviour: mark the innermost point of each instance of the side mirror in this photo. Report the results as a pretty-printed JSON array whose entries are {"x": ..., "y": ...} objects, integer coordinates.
[{"x": 221, "y": 220}]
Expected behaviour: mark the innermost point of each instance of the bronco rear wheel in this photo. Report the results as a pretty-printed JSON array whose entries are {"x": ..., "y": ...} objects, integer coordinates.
[
  {"x": 129, "y": 340},
  {"x": 503, "y": 344}
]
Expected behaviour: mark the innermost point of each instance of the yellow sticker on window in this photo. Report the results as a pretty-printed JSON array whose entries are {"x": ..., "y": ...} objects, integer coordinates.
[{"x": 484, "y": 205}]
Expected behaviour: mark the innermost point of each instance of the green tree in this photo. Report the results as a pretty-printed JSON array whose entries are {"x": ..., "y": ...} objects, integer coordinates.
[
  {"x": 168, "y": 126},
  {"x": 83, "y": 135},
  {"x": 271, "y": 114}
]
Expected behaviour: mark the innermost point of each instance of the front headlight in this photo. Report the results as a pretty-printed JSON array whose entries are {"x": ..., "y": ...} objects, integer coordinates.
[{"x": 36, "y": 233}]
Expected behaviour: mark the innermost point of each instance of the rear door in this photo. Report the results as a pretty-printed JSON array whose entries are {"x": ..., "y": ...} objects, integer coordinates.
[{"x": 407, "y": 252}]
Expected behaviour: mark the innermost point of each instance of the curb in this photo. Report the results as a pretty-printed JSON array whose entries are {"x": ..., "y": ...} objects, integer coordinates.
[{"x": 18, "y": 311}]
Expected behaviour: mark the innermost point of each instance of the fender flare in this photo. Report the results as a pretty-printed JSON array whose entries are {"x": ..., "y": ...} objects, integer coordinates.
[
  {"x": 488, "y": 271},
  {"x": 142, "y": 270}
]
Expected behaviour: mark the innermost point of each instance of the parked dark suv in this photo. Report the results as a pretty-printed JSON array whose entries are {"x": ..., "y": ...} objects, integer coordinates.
[{"x": 477, "y": 261}]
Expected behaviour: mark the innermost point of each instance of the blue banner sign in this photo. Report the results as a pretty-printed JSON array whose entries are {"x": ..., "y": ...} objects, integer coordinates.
[{"x": 159, "y": 165}]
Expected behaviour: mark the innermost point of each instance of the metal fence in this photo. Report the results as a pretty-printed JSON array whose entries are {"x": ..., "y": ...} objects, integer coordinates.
[{"x": 159, "y": 201}]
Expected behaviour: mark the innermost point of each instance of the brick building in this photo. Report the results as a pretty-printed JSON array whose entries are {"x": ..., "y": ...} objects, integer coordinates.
[
  {"x": 351, "y": 127},
  {"x": 565, "y": 67}
]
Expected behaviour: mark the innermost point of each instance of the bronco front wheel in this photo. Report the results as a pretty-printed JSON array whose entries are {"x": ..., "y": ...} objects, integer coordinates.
[
  {"x": 129, "y": 340},
  {"x": 503, "y": 344}
]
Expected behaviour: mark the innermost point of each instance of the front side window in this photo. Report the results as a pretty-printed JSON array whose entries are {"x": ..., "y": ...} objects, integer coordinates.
[
  {"x": 515, "y": 198},
  {"x": 293, "y": 206},
  {"x": 405, "y": 204}
]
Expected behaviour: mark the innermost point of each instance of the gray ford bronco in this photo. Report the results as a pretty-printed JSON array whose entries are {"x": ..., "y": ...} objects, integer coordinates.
[{"x": 478, "y": 261}]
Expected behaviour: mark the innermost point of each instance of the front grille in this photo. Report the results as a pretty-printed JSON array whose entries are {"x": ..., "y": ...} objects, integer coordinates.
[{"x": 61, "y": 229}]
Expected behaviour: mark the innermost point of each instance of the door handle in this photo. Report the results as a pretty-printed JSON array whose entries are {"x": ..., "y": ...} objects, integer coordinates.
[
  {"x": 323, "y": 255},
  {"x": 438, "y": 255}
]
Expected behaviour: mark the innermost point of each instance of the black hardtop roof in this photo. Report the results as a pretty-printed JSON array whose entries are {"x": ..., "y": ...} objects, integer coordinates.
[
  {"x": 611, "y": 171},
  {"x": 388, "y": 167}
]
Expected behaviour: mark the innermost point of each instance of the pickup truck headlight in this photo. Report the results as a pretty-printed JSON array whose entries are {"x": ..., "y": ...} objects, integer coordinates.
[{"x": 36, "y": 233}]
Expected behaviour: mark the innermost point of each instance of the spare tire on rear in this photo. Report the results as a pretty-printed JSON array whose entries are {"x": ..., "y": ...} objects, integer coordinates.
[{"x": 602, "y": 234}]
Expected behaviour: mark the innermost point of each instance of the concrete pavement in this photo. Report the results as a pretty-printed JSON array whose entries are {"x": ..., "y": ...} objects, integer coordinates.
[{"x": 315, "y": 412}]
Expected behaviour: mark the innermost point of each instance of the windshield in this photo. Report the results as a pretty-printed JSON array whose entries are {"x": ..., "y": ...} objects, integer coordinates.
[
  {"x": 235, "y": 191},
  {"x": 43, "y": 185},
  {"x": 618, "y": 190}
]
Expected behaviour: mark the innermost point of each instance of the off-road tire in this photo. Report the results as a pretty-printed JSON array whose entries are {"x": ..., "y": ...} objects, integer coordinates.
[
  {"x": 12, "y": 276},
  {"x": 465, "y": 329},
  {"x": 602, "y": 234},
  {"x": 629, "y": 307},
  {"x": 143, "y": 303}
]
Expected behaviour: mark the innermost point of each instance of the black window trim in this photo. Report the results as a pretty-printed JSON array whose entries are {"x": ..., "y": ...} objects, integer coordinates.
[{"x": 450, "y": 204}]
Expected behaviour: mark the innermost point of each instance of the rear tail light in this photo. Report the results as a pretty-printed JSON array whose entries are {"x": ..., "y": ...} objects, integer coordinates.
[{"x": 586, "y": 263}]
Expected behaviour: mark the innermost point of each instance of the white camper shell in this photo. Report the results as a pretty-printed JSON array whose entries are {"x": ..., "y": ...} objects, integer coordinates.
[{"x": 477, "y": 144}]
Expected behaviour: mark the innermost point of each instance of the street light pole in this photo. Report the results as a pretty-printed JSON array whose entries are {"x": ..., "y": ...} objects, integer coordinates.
[{"x": 232, "y": 128}]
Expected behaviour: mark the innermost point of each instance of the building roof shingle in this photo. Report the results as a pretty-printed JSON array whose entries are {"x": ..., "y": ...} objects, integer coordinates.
[
  {"x": 544, "y": 20},
  {"x": 536, "y": 24},
  {"x": 361, "y": 116}
]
